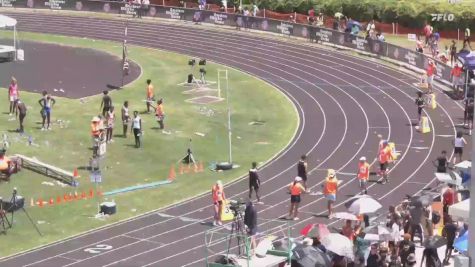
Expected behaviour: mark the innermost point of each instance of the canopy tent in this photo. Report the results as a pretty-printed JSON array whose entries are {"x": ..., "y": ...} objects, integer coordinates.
[
  {"x": 460, "y": 210},
  {"x": 10, "y": 51},
  {"x": 7, "y": 22}
]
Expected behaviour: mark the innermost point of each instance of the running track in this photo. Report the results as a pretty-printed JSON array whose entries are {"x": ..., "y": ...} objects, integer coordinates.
[{"x": 343, "y": 103}]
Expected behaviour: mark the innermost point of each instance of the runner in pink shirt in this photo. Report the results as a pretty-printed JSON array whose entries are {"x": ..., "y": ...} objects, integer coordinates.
[{"x": 13, "y": 95}]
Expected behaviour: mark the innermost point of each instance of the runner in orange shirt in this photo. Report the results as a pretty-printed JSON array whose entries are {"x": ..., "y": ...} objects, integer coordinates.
[
  {"x": 296, "y": 189},
  {"x": 363, "y": 174},
  {"x": 384, "y": 157},
  {"x": 150, "y": 95}
]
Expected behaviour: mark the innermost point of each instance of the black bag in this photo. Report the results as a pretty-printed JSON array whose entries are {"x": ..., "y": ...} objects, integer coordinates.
[{"x": 435, "y": 217}]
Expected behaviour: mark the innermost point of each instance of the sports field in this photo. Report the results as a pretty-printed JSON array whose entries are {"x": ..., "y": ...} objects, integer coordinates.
[{"x": 252, "y": 100}]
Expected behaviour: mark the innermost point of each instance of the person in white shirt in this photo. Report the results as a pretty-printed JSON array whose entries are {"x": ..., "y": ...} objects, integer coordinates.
[
  {"x": 459, "y": 143},
  {"x": 137, "y": 128},
  {"x": 255, "y": 9},
  {"x": 371, "y": 29}
]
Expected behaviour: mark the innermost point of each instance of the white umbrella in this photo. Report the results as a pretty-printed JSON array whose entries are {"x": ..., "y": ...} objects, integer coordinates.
[
  {"x": 460, "y": 210},
  {"x": 364, "y": 205},
  {"x": 339, "y": 244},
  {"x": 345, "y": 216}
]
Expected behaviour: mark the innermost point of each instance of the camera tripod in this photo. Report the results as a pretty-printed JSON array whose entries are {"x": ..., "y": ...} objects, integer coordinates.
[
  {"x": 238, "y": 232},
  {"x": 3, "y": 217},
  {"x": 13, "y": 202},
  {"x": 189, "y": 159}
]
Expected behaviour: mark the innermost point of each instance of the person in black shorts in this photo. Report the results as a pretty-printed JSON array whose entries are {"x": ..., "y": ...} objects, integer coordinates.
[
  {"x": 442, "y": 162},
  {"x": 254, "y": 182},
  {"x": 449, "y": 232},
  {"x": 420, "y": 103},
  {"x": 106, "y": 103},
  {"x": 302, "y": 169}
]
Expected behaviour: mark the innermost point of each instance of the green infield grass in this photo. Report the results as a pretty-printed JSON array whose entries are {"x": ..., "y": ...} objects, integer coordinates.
[{"x": 69, "y": 147}]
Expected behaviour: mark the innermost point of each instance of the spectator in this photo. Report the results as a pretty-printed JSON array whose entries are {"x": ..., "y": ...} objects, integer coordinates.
[
  {"x": 320, "y": 20},
  {"x": 311, "y": 13},
  {"x": 355, "y": 29},
  {"x": 468, "y": 115},
  {"x": 371, "y": 29},
  {"x": 406, "y": 248},
  {"x": 336, "y": 24},
  {"x": 380, "y": 37},
  {"x": 427, "y": 33},
  {"x": 466, "y": 41},
  {"x": 373, "y": 257},
  {"x": 394, "y": 217},
  {"x": 453, "y": 53},
  {"x": 255, "y": 10},
  {"x": 348, "y": 230},
  {"x": 457, "y": 80},
  {"x": 416, "y": 218},
  {"x": 419, "y": 45},
  {"x": 431, "y": 257},
  {"x": 383, "y": 256},
  {"x": 449, "y": 197},
  {"x": 318, "y": 244},
  {"x": 110, "y": 118},
  {"x": 362, "y": 247},
  {"x": 202, "y": 4},
  {"x": 449, "y": 232}
]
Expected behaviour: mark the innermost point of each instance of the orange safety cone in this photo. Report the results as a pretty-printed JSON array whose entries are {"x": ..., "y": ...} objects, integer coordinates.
[
  {"x": 200, "y": 167},
  {"x": 188, "y": 168},
  {"x": 83, "y": 195},
  {"x": 195, "y": 168},
  {"x": 75, "y": 173},
  {"x": 181, "y": 171},
  {"x": 58, "y": 200},
  {"x": 40, "y": 202},
  {"x": 171, "y": 173},
  {"x": 91, "y": 193},
  {"x": 32, "y": 202},
  {"x": 51, "y": 201},
  {"x": 76, "y": 195}
]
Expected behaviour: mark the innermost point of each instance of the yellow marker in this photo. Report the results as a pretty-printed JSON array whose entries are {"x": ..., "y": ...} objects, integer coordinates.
[
  {"x": 227, "y": 214},
  {"x": 424, "y": 125}
]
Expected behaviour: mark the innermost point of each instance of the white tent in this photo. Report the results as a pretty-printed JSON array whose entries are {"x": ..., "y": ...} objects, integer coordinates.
[
  {"x": 460, "y": 210},
  {"x": 7, "y": 22}
]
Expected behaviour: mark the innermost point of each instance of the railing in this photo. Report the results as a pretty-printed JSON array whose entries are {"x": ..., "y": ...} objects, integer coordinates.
[{"x": 378, "y": 48}]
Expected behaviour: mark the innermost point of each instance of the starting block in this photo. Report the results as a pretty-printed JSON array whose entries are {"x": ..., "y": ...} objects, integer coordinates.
[
  {"x": 226, "y": 214},
  {"x": 424, "y": 126}
]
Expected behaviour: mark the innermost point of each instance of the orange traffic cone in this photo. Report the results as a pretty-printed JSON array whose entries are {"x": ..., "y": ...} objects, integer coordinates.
[
  {"x": 200, "y": 167},
  {"x": 32, "y": 202},
  {"x": 171, "y": 173},
  {"x": 91, "y": 193},
  {"x": 40, "y": 202},
  {"x": 181, "y": 170},
  {"x": 75, "y": 173},
  {"x": 76, "y": 195},
  {"x": 188, "y": 168},
  {"x": 58, "y": 200},
  {"x": 195, "y": 168},
  {"x": 51, "y": 201},
  {"x": 83, "y": 195}
]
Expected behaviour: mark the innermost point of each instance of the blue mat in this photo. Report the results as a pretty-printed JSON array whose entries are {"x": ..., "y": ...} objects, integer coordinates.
[{"x": 136, "y": 187}]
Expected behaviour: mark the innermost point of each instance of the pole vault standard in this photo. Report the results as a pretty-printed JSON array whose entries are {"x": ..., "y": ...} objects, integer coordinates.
[{"x": 226, "y": 165}]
